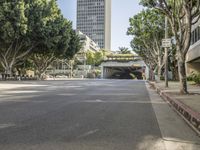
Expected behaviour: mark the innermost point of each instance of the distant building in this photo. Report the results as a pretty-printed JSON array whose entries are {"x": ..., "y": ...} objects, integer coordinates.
[
  {"x": 193, "y": 55},
  {"x": 87, "y": 43},
  {"x": 94, "y": 20},
  {"x": 63, "y": 67}
]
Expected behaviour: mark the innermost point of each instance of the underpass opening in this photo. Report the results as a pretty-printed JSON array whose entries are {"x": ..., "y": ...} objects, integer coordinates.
[{"x": 124, "y": 73}]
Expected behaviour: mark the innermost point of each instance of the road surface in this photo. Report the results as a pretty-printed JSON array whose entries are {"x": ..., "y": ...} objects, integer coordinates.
[{"x": 89, "y": 115}]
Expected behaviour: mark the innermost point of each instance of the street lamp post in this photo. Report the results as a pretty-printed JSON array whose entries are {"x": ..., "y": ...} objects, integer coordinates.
[
  {"x": 166, "y": 53},
  {"x": 84, "y": 64},
  {"x": 71, "y": 69}
]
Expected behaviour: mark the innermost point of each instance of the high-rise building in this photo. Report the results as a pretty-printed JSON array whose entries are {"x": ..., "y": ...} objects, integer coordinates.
[{"x": 94, "y": 20}]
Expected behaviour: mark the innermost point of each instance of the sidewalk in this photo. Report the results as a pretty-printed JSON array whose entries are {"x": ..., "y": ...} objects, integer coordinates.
[{"x": 188, "y": 106}]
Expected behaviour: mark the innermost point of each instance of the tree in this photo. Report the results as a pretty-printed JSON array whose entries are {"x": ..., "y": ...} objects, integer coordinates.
[
  {"x": 14, "y": 44},
  {"x": 147, "y": 27},
  {"x": 54, "y": 36},
  {"x": 98, "y": 57},
  {"x": 95, "y": 58},
  {"x": 181, "y": 14},
  {"x": 124, "y": 50},
  {"x": 74, "y": 45},
  {"x": 34, "y": 30},
  {"x": 89, "y": 58}
]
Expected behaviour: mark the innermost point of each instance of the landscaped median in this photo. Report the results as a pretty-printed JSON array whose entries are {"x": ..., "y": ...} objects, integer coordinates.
[{"x": 188, "y": 106}]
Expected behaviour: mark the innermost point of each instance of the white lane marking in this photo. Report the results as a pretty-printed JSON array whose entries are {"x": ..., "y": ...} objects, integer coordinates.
[
  {"x": 88, "y": 133},
  {"x": 98, "y": 100},
  {"x": 2, "y": 126},
  {"x": 18, "y": 92},
  {"x": 67, "y": 94}
]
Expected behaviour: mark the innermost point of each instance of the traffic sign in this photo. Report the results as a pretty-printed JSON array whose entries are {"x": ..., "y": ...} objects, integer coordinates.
[{"x": 166, "y": 43}]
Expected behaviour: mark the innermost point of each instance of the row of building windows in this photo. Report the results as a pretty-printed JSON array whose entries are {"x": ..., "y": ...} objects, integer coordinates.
[
  {"x": 90, "y": 6},
  {"x": 85, "y": 18},
  {"x": 90, "y": 21},
  {"x": 195, "y": 35},
  {"x": 100, "y": 15},
  {"x": 97, "y": 2},
  {"x": 96, "y": 13},
  {"x": 89, "y": 17},
  {"x": 91, "y": 26}
]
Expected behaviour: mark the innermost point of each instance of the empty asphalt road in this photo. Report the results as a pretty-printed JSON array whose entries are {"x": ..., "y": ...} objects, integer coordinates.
[{"x": 87, "y": 115}]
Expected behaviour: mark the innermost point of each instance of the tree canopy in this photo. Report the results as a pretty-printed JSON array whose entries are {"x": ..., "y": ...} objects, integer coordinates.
[
  {"x": 147, "y": 28},
  {"x": 181, "y": 14},
  {"x": 34, "y": 30}
]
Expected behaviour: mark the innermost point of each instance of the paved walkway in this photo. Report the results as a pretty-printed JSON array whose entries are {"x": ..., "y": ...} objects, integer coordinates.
[
  {"x": 188, "y": 105},
  {"x": 192, "y": 100}
]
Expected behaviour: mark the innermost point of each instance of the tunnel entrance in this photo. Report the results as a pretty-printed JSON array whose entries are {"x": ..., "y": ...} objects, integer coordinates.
[
  {"x": 124, "y": 73},
  {"x": 122, "y": 66}
]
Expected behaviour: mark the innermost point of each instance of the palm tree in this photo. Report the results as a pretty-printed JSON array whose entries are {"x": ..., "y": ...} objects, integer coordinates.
[{"x": 124, "y": 50}]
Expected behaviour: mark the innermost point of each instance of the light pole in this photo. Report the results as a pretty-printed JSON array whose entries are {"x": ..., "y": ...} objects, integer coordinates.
[
  {"x": 166, "y": 53},
  {"x": 71, "y": 69},
  {"x": 84, "y": 64}
]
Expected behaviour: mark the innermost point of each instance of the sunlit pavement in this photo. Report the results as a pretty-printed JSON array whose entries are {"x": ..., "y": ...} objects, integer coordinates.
[{"x": 89, "y": 115}]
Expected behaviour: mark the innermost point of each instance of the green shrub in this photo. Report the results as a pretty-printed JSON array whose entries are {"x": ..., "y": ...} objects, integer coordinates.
[
  {"x": 194, "y": 77},
  {"x": 162, "y": 78},
  {"x": 197, "y": 78},
  {"x": 190, "y": 78},
  {"x": 132, "y": 75}
]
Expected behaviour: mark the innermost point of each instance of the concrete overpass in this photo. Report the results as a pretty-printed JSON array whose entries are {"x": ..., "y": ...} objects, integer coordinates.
[{"x": 123, "y": 67}]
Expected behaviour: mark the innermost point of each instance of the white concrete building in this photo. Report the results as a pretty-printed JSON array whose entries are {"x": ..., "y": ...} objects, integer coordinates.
[
  {"x": 87, "y": 43},
  {"x": 193, "y": 55}
]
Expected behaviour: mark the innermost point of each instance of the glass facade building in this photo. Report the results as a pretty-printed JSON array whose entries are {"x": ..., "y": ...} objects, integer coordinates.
[{"x": 94, "y": 20}]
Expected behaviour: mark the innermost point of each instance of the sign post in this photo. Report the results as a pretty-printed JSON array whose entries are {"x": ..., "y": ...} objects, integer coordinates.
[{"x": 166, "y": 43}]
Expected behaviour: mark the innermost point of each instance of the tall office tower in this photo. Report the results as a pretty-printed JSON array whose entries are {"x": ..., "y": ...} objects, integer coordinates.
[{"x": 94, "y": 20}]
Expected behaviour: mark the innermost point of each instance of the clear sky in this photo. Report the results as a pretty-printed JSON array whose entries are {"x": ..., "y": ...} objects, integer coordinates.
[{"x": 122, "y": 10}]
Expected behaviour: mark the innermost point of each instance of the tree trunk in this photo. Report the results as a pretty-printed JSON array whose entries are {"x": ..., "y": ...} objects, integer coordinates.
[
  {"x": 151, "y": 74},
  {"x": 182, "y": 75},
  {"x": 8, "y": 72},
  {"x": 40, "y": 75},
  {"x": 159, "y": 73},
  {"x": 175, "y": 74}
]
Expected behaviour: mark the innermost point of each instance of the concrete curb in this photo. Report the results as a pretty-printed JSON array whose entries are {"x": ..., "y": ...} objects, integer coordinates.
[{"x": 188, "y": 114}]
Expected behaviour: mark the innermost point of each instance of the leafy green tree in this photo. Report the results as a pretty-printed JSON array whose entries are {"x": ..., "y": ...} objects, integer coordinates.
[
  {"x": 13, "y": 30},
  {"x": 94, "y": 58},
  {"x": 89, "y": 58},
  {"x": 98, "y": 57},
  {"x": 147, "y": 28},
  {"x": 74, "y": 45},
  {"x": 54, "y": 35},
  {"x": 34, "y": 30},
  {"x": 181, "y": 14}
]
